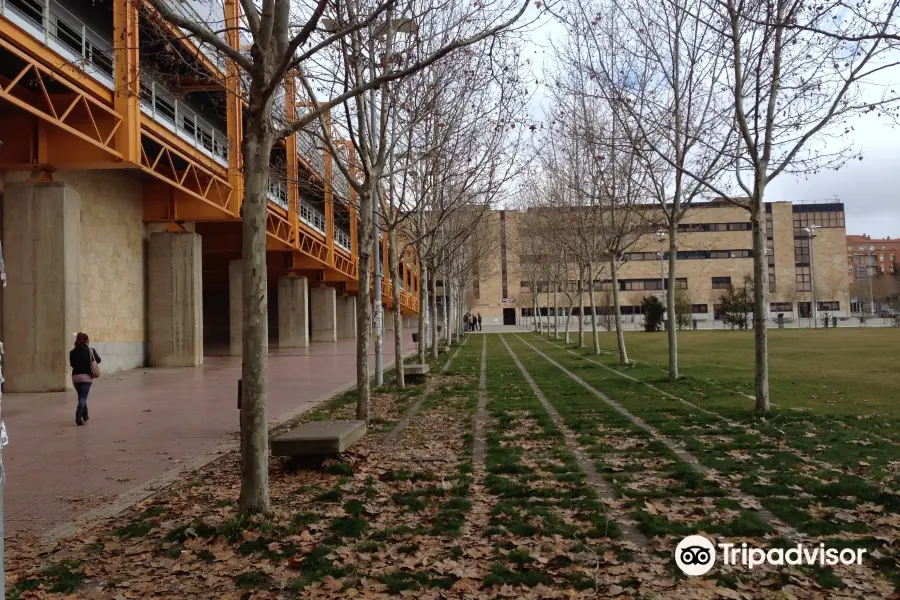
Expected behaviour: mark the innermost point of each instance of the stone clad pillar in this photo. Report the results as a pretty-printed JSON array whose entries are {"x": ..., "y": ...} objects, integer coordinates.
[
  {"x": 293, "y": 315},
  {"x": 42, "y": 298},
  {"x": 346, "y": 317},
  {"x": 323, "y": 308},
  {"x": 235, "y": 307},
  {"x": 388, "y": 319},
  {"x": 176, "y": 299}
]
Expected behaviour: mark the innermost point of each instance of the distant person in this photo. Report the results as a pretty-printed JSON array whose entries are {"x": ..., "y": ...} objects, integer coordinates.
[
  {"x": 466, "y": 322},
  {"x": 83, "y": 373},
  {"x": 479, "y": 321}
]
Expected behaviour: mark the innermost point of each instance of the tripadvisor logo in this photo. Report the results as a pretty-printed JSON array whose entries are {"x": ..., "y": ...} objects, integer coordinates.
[{"x": 695, "y": 555}]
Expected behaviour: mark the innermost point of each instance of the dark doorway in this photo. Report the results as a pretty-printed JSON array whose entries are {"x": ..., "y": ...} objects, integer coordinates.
[{"x": 509, "y": 316}]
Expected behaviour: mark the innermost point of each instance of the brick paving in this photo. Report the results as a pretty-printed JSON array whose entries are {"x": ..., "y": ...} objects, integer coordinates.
[{"x": 145, "y": 426}]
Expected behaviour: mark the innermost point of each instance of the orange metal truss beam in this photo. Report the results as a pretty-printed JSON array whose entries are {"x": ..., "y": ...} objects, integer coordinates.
[
  {"x": 76, "y": 112},
  {"x": 193, "y": 179},
  {"x": 35, "y": 50}
]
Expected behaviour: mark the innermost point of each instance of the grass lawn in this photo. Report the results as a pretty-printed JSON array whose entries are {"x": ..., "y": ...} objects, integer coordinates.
[
  {"x": 558, "y": 475},
  {"x": 844, "y": 370}
]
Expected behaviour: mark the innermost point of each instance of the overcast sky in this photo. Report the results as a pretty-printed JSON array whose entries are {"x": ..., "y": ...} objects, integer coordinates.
[{"x": 869, "y": 189}]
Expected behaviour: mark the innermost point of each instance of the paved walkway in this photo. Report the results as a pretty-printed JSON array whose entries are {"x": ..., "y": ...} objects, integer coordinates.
[{"x": 146, "y": 425}]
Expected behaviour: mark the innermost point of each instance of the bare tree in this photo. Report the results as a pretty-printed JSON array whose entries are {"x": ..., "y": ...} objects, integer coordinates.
[
  {"x": 793, "y": 85},
  {"x": 669, "y": 102},
  {"x": 262, "y": 46}
]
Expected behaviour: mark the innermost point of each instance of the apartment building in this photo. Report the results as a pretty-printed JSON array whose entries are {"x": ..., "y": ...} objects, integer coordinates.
[
  {"x": 870, "y": 263},
  {"x": 715, "y": 249}
]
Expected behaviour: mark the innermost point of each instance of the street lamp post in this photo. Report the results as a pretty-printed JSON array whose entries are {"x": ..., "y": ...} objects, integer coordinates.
[
  {"x": 869, "y": 267},
  {"x": 661, "y": 236},
  {"x": 811, "y": 232}
]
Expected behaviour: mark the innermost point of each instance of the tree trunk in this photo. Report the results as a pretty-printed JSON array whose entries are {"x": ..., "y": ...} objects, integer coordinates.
[
  {"x": 593, "y": 308},
  {"x": 670, "y": 300},
  {"x": 364, "y": 305},
  {"x": 423, "y": 307},
  {"x": 568, "y": 320},
  {"x": 620, "y": 333},
  {"x": 548, "y": 308},
  {"x": 581, "y": 307},
  {"x": 394, "y": 266},
  {"x": 257, "y": 146},
  {"x": 555, "y": 319},
  {"x": 760, "y": 299},
  {"x": 432, "y": 285},
  {"x": 448, "y": 301}
]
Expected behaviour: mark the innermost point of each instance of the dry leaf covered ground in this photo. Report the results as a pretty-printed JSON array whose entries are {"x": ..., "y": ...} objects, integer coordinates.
[{"x": 450, "y": 505}]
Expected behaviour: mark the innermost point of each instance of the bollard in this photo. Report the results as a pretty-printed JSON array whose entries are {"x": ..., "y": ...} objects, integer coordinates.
[{"x": 240, "y": 392}]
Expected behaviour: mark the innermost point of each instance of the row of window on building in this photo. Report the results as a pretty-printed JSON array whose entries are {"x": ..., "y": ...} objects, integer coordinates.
[
  {"x": 626, "y": 285},
  {"x": 690, "y": 254},
  {"x": 804, "y": 309}
]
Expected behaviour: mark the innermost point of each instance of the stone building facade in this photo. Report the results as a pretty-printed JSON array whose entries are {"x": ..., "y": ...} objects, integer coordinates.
[{"x": 715, "y": 249}]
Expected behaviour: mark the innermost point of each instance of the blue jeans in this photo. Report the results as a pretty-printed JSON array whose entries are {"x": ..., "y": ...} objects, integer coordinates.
[{"x": 82, "y": 389}]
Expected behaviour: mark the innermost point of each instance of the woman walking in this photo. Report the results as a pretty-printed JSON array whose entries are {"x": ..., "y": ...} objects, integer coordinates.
[{"x": 84, "y": 360}]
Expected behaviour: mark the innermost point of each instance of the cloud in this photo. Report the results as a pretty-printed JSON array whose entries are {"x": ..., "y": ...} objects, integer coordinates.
[{"x": 869, "y": 189}]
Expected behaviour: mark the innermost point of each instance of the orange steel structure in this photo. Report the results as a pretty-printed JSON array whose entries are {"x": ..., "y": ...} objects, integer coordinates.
[{"x": 58, "y": 115}]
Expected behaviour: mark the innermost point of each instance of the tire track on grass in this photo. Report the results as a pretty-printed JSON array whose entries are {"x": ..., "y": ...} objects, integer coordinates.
[
  {"x": 479, "y": 448},
  {"x": 747, "y": 428},
  {"x": 714, "y": 384},
  {"x": 391, "y": 438},
  {"x": 603, "y": 489},
  {"x": 687, "y": 457}
]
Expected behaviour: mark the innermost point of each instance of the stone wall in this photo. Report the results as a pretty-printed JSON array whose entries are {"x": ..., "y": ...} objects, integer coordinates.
[{"x": 111, "y": 267}]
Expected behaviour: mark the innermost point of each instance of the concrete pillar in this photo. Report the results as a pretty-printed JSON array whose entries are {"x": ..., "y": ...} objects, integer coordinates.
[
  {"x": 293, "y": 298},
  {"x": 235, "y": 307},
  {"x": 42, "y": 299},
  {"x": 322, "y": 306},
  {"x": 176, "y": 299},
  {"x": 346, "y": 317}
]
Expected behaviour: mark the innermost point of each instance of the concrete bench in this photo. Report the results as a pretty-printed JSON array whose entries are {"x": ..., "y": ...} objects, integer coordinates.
[
  {"x": 318, "y": 438},
  {"x": 414, "y": 373}
]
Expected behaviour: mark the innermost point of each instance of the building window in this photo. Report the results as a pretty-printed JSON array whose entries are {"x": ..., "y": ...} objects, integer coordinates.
[
  {"x": 781, "y": 307},
  {"x": 704, "y": 227},
  {"x": 804, "y": 279},
  {"x": 804, "y": 309},
  {"x": 823, "y": 215},
  {"x": 699, "y": 308},
  {"x": 833, "y": 305},
  {"x": 721, "y": 283},
  {"x": 689, "y": 254},
  {"x": 650, "y": 284},
  {"x": 801, "y": 250}
]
